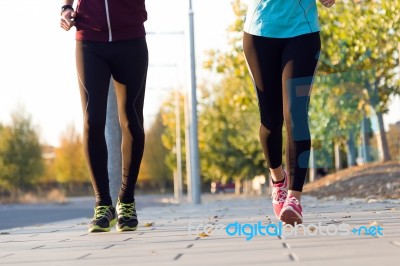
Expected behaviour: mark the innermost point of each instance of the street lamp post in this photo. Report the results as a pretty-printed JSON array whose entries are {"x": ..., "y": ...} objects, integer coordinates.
[
  {"x": 178, "y": 176},
  {"x": 194, "y": 153},
  {"x": 113, "y": 137}
]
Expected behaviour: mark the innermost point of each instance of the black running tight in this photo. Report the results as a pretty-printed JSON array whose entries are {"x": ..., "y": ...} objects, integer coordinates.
[
  {"x": 127, "y": 63},
  {"x": 283, "y": 71}
]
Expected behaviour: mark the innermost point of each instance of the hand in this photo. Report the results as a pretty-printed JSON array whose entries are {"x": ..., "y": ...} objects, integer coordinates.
[
  {"x": 68, "y": 19},
  {"x": 327, "y": 3}
]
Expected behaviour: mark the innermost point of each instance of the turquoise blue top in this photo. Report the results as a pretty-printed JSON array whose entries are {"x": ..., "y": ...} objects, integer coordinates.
[{"x": 281, "y": 18}]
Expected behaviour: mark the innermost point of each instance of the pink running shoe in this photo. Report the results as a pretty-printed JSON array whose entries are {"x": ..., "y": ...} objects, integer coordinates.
[
  {"x": 291, "y": 211},
  {"x": 279, "y": 194}
]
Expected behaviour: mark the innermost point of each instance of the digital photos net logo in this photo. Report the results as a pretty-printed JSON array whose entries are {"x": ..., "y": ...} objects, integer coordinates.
[{"x": 251, "y": 230}]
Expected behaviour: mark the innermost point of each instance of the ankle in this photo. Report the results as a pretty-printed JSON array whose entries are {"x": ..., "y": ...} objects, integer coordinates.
[
  {"x": 126, "y": 200},
  {"x": 295, "y": 194},
  {"x": 277, "y": 175}
]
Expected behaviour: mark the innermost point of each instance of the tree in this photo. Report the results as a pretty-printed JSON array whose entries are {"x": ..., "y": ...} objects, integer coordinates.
[
  {"x": 231, "y": 63},
  {"x": 361, "y": 37},
  {"x": 229, "y": 121},
  {"x": 394, "y": 141},
  {"x": 69, "y": 164},
  {"x": 154, "y": 170},
  {"x": 168, "y": 118},
  {"x": 228, "y": 138},
  {"x": 335, "y": 115},
  {"x": 21, "y": 163}
]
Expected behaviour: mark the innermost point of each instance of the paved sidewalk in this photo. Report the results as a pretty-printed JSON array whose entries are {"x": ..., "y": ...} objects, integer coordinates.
[{"x": 163, "y": 237}]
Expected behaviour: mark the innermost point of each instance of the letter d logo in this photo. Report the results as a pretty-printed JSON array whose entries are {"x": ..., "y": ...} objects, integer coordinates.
[{"x": 230, "y": 227}]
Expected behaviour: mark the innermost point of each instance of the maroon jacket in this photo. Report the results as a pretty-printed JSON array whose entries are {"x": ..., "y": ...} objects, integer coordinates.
[{"x": 110, "y": 20}]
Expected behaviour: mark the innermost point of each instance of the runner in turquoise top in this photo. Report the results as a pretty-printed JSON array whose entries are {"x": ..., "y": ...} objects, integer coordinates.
[
  {"x": 281, "y": 44},
  {"x": 281, "y": 18}
]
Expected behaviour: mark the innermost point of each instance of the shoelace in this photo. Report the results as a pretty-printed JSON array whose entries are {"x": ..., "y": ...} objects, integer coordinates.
[
  {"x": 293, "y": 200},
  {"x": 100, "y": 212},
  {"x": 279, "y": 194},
  {"x": 127, "y": 209}
]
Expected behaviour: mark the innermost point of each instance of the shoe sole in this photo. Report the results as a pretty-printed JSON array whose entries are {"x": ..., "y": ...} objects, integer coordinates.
[
  {"x": 98, "y": 229},
  {"x": 126, "y": 229},
  {"x": 290, "y": 216}
]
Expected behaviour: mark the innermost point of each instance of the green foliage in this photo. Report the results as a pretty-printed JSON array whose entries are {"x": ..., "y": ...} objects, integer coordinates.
[
  {"x": 231, "y": 63},
  {"x": 335, "y": 113},
  {"x": 357, "y": 69},
  {"x": 229, "y": 122},
  {"x": 21, "y": 163},
  {"x": 363, "y": 37},
  {"x": 228, "y": 132},
  {"x": 356, "y": 73}
]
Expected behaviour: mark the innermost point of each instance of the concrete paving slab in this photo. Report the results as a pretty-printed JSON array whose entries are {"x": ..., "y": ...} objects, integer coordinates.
[{"x": 168, "y": 241}]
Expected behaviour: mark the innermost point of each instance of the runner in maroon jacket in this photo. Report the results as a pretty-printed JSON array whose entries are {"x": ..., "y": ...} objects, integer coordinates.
[{"x": 110, "y": 42}]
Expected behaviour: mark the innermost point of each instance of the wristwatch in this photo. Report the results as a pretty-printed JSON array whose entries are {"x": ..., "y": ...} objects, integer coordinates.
[{"x": 66, "y": 7}]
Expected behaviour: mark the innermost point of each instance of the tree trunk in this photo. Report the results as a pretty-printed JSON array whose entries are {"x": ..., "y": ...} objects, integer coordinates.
[
  {"x": 383, "y": 147},
  {"x": 237, "y": 186},
  {"x": 113, "y": 139},
  {"x": 313, "y": 168},
  {"x": 365, "y": 148},
  {"x": 338, "y": 164},
  {"x": 351, "y": 150}
]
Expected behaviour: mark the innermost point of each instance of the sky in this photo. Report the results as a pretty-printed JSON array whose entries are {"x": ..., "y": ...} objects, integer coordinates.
[{"x": 37, "y": 59}]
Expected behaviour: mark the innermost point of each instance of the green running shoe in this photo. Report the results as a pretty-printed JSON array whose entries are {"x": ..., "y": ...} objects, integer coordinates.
[
  {"x": 103, "y": 219},
  {"x": 127, "y": 218}
]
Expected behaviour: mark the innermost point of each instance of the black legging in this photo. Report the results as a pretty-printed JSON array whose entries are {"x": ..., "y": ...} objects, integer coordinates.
[
  {"x": 283, "y": 71},
  {"x": 127, "y": 63}
]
